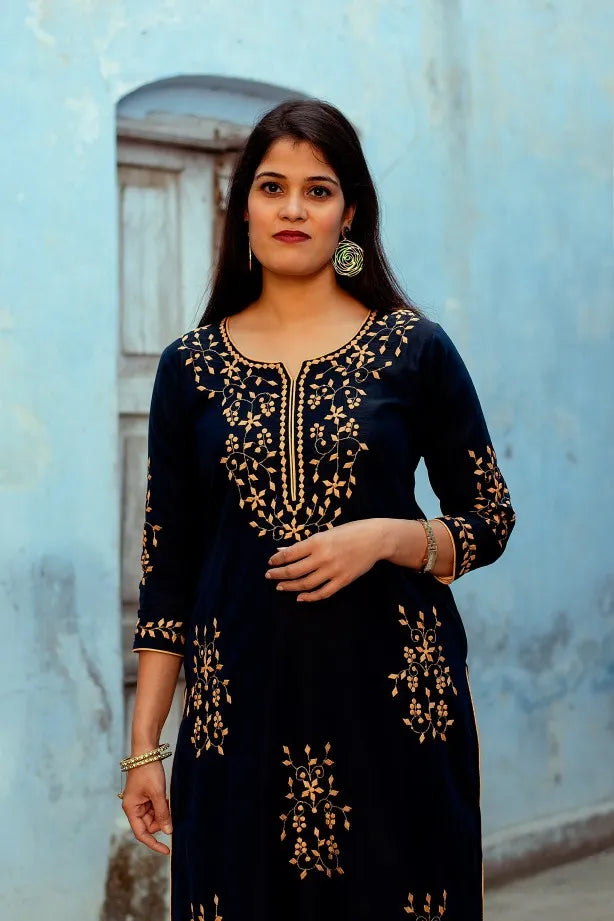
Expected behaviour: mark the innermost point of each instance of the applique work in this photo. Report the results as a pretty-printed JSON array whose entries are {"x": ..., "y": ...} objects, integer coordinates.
[
  {"x": 198, "y": 913},
  {"x": 285, "y": 497},
  {"x": 314, "y": 817},
  {"x": 146, "y": 564},
  {"x": 426, "y": 677},
  {"x": 492, "y": 503},
  {"x": 428, "y": 912},
  {"x": 208, "y": 694}
]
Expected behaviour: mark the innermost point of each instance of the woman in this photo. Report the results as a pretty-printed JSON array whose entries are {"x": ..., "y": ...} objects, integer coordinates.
[{"x": 327, "y": 763}]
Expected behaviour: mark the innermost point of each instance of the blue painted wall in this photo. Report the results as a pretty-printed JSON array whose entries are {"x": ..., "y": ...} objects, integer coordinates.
[{"x": 490, "y": 138}]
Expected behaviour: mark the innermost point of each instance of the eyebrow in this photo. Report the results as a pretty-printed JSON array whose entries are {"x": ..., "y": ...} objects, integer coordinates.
[{"x": 308, "y": 179}]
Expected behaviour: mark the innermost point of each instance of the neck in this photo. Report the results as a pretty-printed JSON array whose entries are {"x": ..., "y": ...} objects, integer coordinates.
[{"x": 294, "y": 299}]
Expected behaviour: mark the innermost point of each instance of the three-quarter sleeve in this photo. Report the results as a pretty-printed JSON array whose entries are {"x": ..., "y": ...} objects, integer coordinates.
[
  {"x": 460, "y": 459},
  {"x": 167, "y": 558}
]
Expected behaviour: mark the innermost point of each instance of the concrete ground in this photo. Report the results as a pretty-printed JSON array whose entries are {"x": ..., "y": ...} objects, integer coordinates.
[{"x": 579, "y": 891}]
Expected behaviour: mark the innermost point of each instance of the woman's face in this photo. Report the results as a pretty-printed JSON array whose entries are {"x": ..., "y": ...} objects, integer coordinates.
[{"x": 295, "y": 191}]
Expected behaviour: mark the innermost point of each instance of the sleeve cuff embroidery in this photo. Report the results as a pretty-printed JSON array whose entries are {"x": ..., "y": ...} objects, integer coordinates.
[{"x": 165, "y": 652}]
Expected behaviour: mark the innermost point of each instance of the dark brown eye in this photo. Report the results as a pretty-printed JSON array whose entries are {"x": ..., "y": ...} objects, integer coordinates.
[
  {"x": 269, "y": 183},
  {"x": 321, "y": 188}
]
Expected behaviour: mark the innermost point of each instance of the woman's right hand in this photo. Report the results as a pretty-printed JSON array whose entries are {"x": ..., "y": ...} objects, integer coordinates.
[{"x": 146, "y": 806}]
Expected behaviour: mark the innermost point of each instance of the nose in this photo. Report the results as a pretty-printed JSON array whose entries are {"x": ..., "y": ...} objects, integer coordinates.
[{"x": 293, "y": 207}]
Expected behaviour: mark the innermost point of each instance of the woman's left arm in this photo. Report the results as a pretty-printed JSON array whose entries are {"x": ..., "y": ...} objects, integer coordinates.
[{"x": 461, "y": 462}]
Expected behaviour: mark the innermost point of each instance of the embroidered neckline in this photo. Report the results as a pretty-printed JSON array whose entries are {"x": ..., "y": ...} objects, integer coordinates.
[
  {"x": 289, "y": 498},
  {"x": 306, "y": 362}
]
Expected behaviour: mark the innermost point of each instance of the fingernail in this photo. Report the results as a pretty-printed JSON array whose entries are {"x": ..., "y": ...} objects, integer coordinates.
[
  {"x": 267, "y": 574},
  {"x": 279, "y": 587},
  {"x": 167, "y": 829}
]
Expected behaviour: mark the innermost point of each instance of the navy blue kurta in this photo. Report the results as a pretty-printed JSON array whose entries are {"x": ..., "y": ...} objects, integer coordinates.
[{"x": 327, "y": 763}]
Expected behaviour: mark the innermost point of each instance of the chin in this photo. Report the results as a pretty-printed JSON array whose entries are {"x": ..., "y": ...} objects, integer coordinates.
[{"x": 295, "y": 267}]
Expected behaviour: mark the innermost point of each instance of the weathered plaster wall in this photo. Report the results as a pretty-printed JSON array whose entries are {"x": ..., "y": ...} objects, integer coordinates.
[{"x": 489, "y": 134}]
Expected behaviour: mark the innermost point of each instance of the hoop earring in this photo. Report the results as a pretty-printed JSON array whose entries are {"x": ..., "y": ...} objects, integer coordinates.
[
  {"x": 249, "y": 248},
  {"x": 348, "y": 258}
]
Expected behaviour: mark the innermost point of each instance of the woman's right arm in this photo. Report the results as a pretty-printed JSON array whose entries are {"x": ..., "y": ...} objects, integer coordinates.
[
  {"x": 169, "y": 573},
  {"x": 145, "y": 802}
]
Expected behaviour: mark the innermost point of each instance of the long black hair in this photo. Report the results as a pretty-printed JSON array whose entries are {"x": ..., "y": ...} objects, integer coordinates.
[{"x": 233, "y": 285}]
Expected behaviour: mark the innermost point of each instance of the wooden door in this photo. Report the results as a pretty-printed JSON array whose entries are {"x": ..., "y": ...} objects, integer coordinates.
[{"x": 171, "y": 203}]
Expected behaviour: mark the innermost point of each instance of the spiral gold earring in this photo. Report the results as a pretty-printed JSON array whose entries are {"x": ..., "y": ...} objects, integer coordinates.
[
  {"x": 249, "y": 247},
  {"x": 348, "y": 258}
]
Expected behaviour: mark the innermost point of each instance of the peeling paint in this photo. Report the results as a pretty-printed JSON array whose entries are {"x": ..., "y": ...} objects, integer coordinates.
[
  {"x": 87, "y": 114},
  {"x": 117, "y": 22},
  {"x": 137, "y": 882},
  {"x": 63, "y": 650},
  {"x": 108, "y": 67},
  {"x": 34, "y": 22}
]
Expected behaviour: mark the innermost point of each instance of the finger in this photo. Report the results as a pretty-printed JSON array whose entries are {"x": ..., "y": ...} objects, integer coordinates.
[
  {"x": 141, "y": 834},
  {"x": 297, "y": 551},
  {"x": 312, "y": 581},
  {"x": 151, "y": 823},
  {"x": 292, "y": 570},
  {"x": 324, "y": 592},
  {"x": 162, "y": 812}
]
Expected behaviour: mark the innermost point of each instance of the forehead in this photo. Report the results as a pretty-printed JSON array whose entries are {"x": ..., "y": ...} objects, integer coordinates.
[{"x": 290, "y": 156}]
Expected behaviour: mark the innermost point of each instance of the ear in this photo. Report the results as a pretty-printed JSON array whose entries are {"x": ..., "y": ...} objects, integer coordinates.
[{"x": 348, "y": 215}]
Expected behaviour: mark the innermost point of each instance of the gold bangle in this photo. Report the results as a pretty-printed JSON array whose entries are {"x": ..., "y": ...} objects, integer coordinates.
[
  {"x": 144, "y": 758},
  {"x": 431, "y": 546},
  {"x": 157, "y": 757},
  {"x": 156, "y": 754}
]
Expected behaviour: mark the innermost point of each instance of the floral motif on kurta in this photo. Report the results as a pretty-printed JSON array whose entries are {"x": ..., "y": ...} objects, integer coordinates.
[
  {"x": 148, "y": 528},
  {"x": 429, "y": 910},
  {"x": 426, "y": 678},
  {"x": 197, "y": 912},
  {"x": 314, "y": 818},
  {"x": 208, "y": 694}
]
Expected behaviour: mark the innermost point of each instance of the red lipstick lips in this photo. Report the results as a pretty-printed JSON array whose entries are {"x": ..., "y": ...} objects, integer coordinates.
[{"x": 291, "y": 236}]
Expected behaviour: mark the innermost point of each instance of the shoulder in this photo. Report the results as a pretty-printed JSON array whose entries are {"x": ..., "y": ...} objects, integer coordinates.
[
  {"x": 422, "y": 345},
  {"x": 414, "y": 331},
  {"x": 181, "y": 350}
]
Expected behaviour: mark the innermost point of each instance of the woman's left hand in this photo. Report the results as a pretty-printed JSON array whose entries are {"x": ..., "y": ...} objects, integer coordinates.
[{"x": 322, "y": 564}]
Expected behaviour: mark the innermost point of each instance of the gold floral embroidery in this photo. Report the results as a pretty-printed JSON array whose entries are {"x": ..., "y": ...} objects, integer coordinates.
[
  {"x": 270, "y": 476},
  {"x": 428, "y": 913},
  {"x": 313, "y": 804},
  {"x": 146, "y": 564},
  {"x": 492, "y": 499},
  {"x": 208, "y": 689},
  {"x": 168, "y": 629},
  {"x": 200, "y": 913},
  {"x": 466, "y": 537},
  {"x": 492, "y": 503},
  {"x": 426, "y": 675}
]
